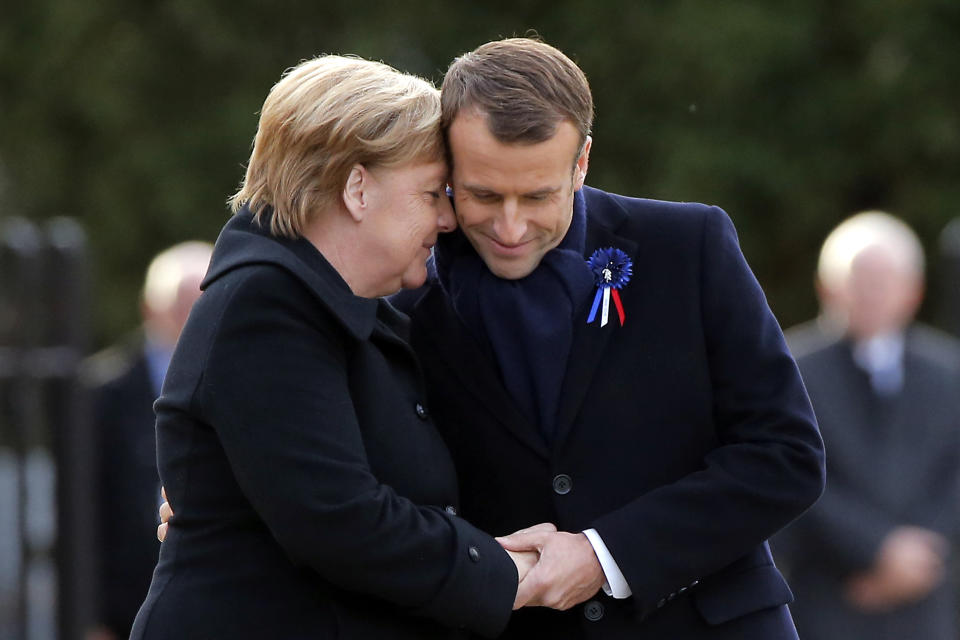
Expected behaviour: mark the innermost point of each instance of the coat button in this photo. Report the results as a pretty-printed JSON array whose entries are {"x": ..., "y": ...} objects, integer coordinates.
[
  {"x": 662, "y": 602},
  {"x": 593, "y": 611},
  {"x": 562, "y": 484},
  {"x": 474, "y": 554},
  {"x": 452, "y": 510},
  {"x": 421, "y": 411}
]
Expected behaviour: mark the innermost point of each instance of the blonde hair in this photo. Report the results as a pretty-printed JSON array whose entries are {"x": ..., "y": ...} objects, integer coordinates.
[
  {"x": 860, "y": 232},
  {"x": 323, "y": 117},
  {"x": 170, "y": 268}
]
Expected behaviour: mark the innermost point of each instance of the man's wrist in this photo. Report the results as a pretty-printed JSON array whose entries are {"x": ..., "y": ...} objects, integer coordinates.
[{"x": 616, "y": 584}]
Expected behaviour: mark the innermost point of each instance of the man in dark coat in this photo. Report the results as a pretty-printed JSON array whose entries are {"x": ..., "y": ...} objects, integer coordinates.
[
  {"x": 125, "y": 380},
  {"x": 871, "y": 559},
  {"x": 644, "y": 400}
]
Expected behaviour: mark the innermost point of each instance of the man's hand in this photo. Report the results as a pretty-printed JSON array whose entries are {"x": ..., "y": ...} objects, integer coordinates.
[
  {"x": 166, "y": 512},
  {"x": 909, "y": 565},
  {"x": 525, "y": 560},
  {"x": 567, "y": 574}
]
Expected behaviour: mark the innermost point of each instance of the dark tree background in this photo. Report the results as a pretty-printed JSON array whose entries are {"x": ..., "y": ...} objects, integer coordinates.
[{"x": 136, "y": 117}]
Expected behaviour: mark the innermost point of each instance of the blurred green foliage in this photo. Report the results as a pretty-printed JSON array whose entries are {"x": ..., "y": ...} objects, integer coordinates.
[{"x": 137, "y": 117}]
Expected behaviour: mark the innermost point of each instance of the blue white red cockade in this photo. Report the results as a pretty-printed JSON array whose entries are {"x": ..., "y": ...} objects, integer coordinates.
[{"x": 611, "y": 269}]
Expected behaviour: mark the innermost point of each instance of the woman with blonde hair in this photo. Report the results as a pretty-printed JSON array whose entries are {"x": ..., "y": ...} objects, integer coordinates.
[{"x": 313, "y": 496}]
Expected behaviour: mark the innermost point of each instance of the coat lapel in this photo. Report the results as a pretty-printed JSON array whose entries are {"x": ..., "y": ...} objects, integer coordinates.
[
  {"x": 474, "y": 367},
  {"x": 590, "y": 341},
  {"x": 456, "y": 346}
]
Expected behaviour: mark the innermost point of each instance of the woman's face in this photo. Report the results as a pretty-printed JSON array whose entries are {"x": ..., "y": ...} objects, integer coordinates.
[{"x": 408, "y": 208}]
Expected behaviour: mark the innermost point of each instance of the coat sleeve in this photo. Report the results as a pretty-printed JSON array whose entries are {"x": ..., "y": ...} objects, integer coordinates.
[
  {"x": 768, "y": 463},
  {"x": 275, "y": 389}
]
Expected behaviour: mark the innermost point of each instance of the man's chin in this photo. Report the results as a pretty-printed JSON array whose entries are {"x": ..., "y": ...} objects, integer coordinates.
[{"x": 510, "y": 270}]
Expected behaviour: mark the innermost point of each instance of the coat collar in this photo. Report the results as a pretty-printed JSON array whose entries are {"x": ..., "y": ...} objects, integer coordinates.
[{"x": 244, "y": 242}]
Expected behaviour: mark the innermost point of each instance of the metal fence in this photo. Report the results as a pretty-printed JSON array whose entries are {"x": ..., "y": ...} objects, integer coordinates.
[{"x": 46, "y": 563}]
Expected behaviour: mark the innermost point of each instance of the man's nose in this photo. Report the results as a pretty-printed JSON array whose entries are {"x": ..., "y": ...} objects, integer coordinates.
[{"x": 510, "y": 226}]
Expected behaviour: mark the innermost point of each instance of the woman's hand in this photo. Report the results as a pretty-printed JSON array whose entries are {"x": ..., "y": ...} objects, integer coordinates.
[
  {"x": 527, "y": 560},
  {"x": 166, "y": 512}
]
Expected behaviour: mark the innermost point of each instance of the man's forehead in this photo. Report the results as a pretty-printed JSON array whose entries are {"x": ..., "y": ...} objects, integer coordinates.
[{"x": 482, "y": 161}]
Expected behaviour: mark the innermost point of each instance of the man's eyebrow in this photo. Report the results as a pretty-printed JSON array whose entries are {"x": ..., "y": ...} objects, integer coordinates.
[
  {"x": 539, "y": 193},
  {"x": 479, "y": 190}
]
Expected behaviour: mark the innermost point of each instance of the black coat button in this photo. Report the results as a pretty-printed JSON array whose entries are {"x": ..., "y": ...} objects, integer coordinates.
[
  {"x": 474, "y": 554},
  {"x": 421, "y": 411},
  {"x": 562, "y": 484},
  {"x": 593, "y": 610},
  {"x": 452, "y": 510}
]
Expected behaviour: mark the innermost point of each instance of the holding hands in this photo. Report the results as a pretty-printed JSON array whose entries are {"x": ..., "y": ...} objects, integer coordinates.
[
  {"x": 566, "y": 574},
  {"x": 556, "y": 569}
]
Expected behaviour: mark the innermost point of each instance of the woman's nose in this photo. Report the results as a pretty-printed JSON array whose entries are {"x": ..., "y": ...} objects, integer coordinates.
[{"x": 446, "y": 221}]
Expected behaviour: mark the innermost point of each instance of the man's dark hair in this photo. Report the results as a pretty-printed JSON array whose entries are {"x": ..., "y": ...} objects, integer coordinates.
[{"x": 525, "y": 87}]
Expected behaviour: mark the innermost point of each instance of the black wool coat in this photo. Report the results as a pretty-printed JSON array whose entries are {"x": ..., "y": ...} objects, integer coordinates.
[
  {"x": 314, "y": 497},
  {"x": 684, "y": 437}
]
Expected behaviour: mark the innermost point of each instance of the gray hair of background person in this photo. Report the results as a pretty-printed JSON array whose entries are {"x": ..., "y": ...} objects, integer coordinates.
[
  {"x": 171, "y": 287},
  {"x": 525, "y": 87},
  {"x": 863, "y": 230},
  {"x": 320, "y": 120},
  {"x": 168, "y": 270}
]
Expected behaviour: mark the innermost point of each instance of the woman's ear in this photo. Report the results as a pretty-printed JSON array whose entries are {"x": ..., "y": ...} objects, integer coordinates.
[{"x": 355, "y": 192}]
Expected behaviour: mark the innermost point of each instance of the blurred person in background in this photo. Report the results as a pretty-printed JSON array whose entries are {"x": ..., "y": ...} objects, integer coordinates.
[
  {"x": 125, "y": 380},
  {"x": 871, "y": 559}
]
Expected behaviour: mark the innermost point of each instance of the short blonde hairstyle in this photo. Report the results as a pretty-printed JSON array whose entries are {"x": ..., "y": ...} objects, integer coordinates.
[
  {"x": 322, "y": 118},
  {"x": 863, "y": 231}
]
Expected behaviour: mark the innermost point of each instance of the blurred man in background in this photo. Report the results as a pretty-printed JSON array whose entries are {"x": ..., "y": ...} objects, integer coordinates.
[
  {"x": 870, "y": 559},
  {"x": 125, "y": 380}
]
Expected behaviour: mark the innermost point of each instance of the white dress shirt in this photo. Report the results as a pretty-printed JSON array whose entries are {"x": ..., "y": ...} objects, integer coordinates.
[{"x": 616, "y": 585}]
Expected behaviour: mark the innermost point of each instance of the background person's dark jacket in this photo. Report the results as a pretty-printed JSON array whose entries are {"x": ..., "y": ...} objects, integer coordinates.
[
  {"x": 685, "y": 437},
  {"x": 128, "y": 487},
  {"x": 893, "y": 460},
  {"x": 310, "y": 486}
]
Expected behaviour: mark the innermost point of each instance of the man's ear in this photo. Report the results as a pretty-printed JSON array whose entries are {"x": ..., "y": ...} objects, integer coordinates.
[
  {"x": 583, "y": 161},
  {"x": 355, "y": 192}
]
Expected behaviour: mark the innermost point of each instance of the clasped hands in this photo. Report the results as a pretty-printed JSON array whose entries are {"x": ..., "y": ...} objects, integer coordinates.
[
  {"x": 911, "y": 562},
  {"x": 557, "y": 569}
]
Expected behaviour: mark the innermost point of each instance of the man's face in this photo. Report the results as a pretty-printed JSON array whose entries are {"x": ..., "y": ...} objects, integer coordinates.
[
  {"x": 514, "y": 202},
  {"x": 882, "y": 293}
]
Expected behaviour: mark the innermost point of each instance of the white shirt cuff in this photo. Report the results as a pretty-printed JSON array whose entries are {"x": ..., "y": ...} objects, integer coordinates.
[{"x": 616, "y": 585}]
